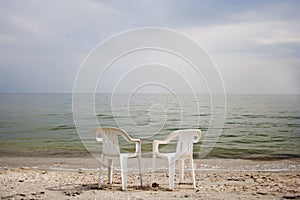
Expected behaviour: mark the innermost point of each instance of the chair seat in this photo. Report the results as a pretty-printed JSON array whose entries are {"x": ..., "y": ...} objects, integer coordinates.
[
  {"x": 166, "y": 155},
  {"x": 128, "y": 155}
]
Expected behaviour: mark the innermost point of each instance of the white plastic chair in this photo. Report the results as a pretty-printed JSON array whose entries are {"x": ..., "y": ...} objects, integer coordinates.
[
  {"x": 111, "y": 152},
  {"x": 184, "y": 150}
]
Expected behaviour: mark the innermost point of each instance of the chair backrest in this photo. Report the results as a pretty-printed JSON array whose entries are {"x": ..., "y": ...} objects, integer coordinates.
[
  {"x": 110, "y": 141},
  {"x": 185, "y": 141}
]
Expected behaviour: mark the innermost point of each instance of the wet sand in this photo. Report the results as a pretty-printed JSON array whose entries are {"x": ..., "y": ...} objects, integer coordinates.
[{"x": 76, "y": 178}]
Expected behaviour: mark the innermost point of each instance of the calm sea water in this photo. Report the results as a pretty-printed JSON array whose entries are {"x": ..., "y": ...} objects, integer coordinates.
[{"x": 256, "y": 126}]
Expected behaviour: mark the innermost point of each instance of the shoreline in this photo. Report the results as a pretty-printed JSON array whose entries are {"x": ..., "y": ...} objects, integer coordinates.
[{"x": 91, "y": 163}]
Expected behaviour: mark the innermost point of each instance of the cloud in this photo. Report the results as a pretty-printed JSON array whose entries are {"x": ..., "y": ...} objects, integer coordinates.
[
  {"x": 256, "y": 53},
  {"x": 50, "y": 38}
]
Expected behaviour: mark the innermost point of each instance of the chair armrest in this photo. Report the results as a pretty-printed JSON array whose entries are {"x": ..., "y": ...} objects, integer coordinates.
[
  {"x": 156, "y": 143},
  {"x": 138, "y": 146},
  {"x": 98, "y": 139},
  {"x": 135, "y": 140},
  {"x": 198, "y": 137},
  {"x": 132, "y": 140},
  {"x": 160, "y": 142}
]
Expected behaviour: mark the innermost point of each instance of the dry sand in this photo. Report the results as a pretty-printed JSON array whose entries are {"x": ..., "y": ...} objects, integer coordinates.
[{"x": 76, "y": 178}]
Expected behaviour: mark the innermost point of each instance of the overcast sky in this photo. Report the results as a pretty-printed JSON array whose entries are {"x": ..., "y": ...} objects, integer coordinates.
[{"x": 255, "y": 44}]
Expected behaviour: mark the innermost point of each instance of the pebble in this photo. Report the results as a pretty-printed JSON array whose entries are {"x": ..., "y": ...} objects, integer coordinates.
[
  {"x": 261, "y": 192},
  {"x": 155, "y": 184}
]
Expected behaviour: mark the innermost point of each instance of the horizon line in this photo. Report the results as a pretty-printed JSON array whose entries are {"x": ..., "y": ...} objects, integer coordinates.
[{"x": 240, "y": 93}]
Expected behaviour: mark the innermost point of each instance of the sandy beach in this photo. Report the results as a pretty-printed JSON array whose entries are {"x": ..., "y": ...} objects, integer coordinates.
[{"x": 76, "y": 178}]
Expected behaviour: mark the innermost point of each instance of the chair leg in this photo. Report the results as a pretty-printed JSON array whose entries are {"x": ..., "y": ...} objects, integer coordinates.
[
  {"x": 153, "y": 169},
  {"x": 123, "y": 164},
  {"x": 140, "y": 166},
  {"x": 110, "y": 170},
  {"x": 99, "y": 175},
  {"x": 181, "y": 171},
  {"x": 193, "y": 172},
  {"x": 171, "y": 174}
]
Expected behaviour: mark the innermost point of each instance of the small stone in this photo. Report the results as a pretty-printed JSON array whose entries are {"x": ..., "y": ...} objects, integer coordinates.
[
  {"x": 262, "y": 192},
  {"x": 67, "y": 193},
  {"x": 291, "y": 197},
  {"x": 155, "y": 184}
]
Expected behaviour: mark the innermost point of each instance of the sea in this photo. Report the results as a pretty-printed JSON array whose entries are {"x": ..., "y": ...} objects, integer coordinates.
[{"x": 249, "y": 127}]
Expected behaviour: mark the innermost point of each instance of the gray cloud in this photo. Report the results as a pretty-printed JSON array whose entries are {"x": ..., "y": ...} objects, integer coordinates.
[{"x": 42, "y": 43}]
